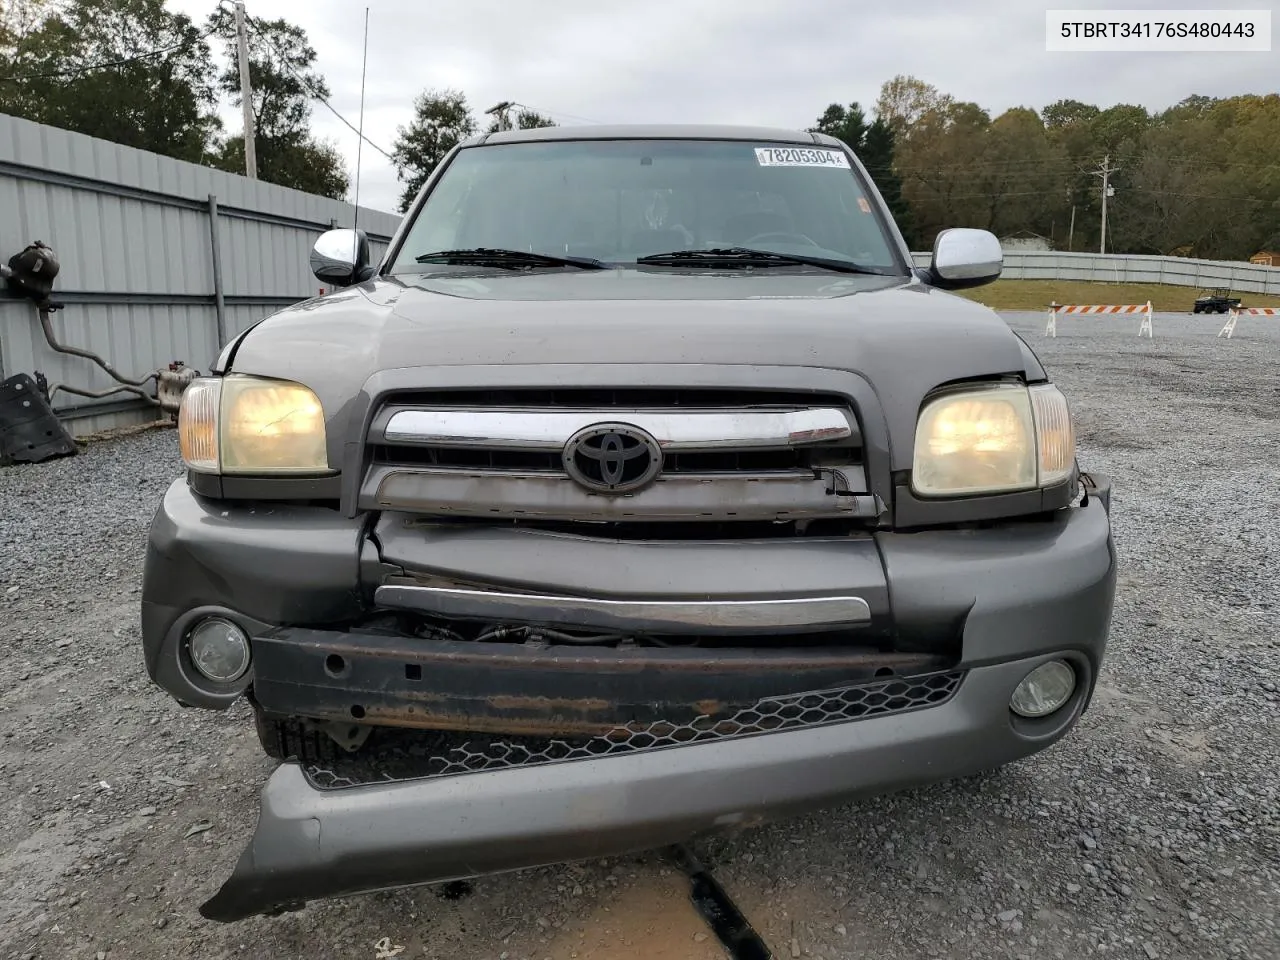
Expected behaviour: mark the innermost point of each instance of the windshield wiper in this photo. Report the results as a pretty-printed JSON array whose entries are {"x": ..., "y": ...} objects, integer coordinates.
[
  {"x": 746, "y": 257},
  {"x": 509, "y": 259}
]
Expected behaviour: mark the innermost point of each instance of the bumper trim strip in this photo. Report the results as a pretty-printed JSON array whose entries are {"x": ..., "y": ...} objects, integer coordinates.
[{"x": 724, "y": 617}]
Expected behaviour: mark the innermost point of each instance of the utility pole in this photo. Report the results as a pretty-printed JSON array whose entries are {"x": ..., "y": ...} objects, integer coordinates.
[
  {"x": 1071, "y": 230},
  {"x": 501, "y": 111},
  {"x": 1107, "y": 191},
  {"x": 246, "y": 97}
]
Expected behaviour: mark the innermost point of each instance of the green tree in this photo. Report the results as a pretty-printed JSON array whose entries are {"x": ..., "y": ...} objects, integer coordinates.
[
  {"x": 441, "y": 120},
  {"x": 1068, "y": 113},
  {"x": 877, "y": 155},
  {"x": 1201, "y": 182},
  {"x": 1118, "y": 129},
  {"x": 525, "y": 120},
  {"x": 164, "y": 103},
  {"x": 846, "y": 124},
  {"x": 283, "y": 81},
  {"x": 314, "y": 166},
  {"x": 20, "y": 17}
]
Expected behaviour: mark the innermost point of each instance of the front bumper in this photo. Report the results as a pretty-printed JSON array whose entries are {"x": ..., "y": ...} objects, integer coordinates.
[
  {"x": 313, "y": 843},
  {"x": 1013, "y": 594}
]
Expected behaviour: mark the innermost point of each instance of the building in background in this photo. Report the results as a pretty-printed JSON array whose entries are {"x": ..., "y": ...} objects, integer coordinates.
[{"x": 1025, "y": 240}]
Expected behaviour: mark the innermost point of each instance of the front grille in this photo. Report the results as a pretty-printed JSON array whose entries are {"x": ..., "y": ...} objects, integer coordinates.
[
  {"x": 397, "y": 755},
  {"x": 726, "y": 455}
]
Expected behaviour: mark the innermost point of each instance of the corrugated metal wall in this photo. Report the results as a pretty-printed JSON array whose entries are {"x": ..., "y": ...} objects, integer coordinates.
[
  {"x": 1122, "y": 268},
  {"x": 132, "y": 231}
]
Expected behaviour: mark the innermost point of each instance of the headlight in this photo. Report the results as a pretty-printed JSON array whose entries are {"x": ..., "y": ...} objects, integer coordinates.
[
  {"x": 997, "y": 439},
  {"x": 247, "y": 425}
]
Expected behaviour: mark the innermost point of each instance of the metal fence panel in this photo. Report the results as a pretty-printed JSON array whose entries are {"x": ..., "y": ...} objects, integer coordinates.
[
  {"x": 133, "y": 235},
  {"x": 1124, "y": 268}
]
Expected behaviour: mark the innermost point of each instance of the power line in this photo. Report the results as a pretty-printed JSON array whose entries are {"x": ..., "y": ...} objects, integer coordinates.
[
  {"x": 557, "y": 113},
  {"x": 312, "y": 91}
]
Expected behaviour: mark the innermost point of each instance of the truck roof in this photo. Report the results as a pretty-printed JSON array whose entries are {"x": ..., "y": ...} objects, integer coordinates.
[{"x": 665, "y": 131}]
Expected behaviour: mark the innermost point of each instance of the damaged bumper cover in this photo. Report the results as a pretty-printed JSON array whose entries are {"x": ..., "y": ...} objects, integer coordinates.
[
  {"x": 1014, "y": 595},
  {"x": 313, "y": 843}
]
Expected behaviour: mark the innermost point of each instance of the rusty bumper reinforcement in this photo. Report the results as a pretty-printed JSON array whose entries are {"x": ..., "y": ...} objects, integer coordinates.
[
  {"x": 312, "y": 843},
  {"x": 515, "y": 688}
]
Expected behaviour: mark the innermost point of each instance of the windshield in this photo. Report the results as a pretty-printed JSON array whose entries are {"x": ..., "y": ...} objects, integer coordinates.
[{"x": 617, "y": 201}]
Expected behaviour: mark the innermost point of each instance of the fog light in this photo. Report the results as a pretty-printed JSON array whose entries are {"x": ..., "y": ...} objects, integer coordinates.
[
  {"x": 219, "y": 649},
  {"x": 1044, "y": 689}
]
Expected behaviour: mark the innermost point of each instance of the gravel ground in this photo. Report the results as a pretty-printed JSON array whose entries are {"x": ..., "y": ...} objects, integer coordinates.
[{"x": 1153, "y": 831}]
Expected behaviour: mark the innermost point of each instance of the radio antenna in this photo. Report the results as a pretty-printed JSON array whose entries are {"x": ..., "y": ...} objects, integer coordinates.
[{"x": 360, "y": 133}]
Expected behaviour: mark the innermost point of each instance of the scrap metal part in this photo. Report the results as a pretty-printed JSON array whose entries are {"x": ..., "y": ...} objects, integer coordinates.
[{"x": 30, "y": 432}]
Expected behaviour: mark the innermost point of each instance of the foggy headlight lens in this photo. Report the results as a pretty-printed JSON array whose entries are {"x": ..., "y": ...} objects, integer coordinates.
[
  {"x": 247, "y": 425},
  {"x": 978, "y": 441},
  {"x": 271, "y": 426},
  {"x": 1044, "y": 690},
  {"x": 219, "y": 649}
]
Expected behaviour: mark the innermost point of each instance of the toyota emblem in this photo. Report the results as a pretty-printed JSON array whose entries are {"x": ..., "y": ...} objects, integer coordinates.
[{"x": 612, "y": 458}]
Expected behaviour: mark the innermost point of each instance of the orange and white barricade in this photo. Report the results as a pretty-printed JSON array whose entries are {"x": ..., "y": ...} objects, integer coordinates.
[
  {"x": 1051, "y": 330},
  {"x": 1230, "y": 326}
]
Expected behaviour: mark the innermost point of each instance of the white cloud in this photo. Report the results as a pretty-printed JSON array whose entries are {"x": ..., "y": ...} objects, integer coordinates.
[{"x": 732, "y": 61}]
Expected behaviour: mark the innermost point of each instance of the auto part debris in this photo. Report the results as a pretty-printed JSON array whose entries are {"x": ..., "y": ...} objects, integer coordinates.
[
  {"x": 30, "y": 274},
  {"x": 171, "y": 383},
  {"x": 32, "y": 271},
  {"x": 127, "y": 385},
  {"x": 30, "y": 432}
]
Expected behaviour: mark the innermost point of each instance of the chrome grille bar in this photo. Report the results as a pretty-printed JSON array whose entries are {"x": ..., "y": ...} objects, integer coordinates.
[
  {"x": 491, "y": 494},
  {"x": 674, "y": 430}
]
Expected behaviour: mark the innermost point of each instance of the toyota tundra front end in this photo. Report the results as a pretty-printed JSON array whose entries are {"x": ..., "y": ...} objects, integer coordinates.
[{"x": 643, "y": 488}]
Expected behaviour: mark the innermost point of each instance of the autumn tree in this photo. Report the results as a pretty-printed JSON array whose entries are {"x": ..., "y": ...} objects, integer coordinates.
[
  {"x": 939, "y": 158},
  {"x": 905, "y": 99}
]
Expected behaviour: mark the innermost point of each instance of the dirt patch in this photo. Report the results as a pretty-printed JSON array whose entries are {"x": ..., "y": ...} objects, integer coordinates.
[{"x": 653, "y": 919}]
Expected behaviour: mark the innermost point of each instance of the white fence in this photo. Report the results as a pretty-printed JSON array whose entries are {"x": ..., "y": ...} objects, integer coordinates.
[{"x": 1123, "y": 268}]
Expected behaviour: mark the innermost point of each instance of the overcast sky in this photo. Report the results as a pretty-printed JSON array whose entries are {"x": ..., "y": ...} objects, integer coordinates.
[{"x": 771, "y": 62}]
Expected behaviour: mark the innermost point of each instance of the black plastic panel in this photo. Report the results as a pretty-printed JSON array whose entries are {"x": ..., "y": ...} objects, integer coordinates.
[{"x": 30, "y": 432}]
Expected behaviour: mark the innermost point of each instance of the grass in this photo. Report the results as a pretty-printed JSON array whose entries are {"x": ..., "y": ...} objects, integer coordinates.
[{"x": 1038, "y": 294}]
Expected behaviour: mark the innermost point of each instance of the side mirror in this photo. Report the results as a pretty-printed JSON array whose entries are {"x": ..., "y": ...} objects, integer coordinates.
[
  {"x": 963, "y": 258},
  {"x": 341, "y": 257}
]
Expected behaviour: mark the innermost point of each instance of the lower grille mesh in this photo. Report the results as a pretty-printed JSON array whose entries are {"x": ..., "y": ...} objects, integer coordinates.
[{"x": 411, "y": 755}]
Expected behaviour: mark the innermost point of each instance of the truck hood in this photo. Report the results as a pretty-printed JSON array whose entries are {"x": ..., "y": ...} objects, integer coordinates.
[{"x": 900, "y": 335}]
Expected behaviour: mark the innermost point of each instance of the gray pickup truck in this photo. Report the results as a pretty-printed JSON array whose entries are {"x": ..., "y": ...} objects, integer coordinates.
[{"x": 644, "y": 487}]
